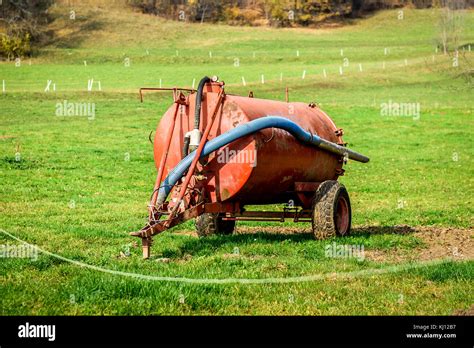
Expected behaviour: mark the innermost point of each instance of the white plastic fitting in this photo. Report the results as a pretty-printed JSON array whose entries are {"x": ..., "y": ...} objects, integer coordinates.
[{"x": 194, "y": 137}]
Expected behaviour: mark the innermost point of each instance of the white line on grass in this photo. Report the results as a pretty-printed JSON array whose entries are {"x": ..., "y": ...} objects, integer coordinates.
[{"x": 315, "y": 277}]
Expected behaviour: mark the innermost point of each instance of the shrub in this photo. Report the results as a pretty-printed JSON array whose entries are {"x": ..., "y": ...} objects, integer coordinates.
[{"x": 12, "y": 47}]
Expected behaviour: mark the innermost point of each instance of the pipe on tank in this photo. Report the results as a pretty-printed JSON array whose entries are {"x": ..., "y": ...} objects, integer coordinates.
[
  {"x": 186, "y": 141},
  {"x": 247, "y": 129},
  {"x": 193, "y": 137},
  {"x": 197, "y": 108}
]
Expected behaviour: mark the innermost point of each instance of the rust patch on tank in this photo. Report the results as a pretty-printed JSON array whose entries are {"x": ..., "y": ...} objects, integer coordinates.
[
  {"x": 225, "y": 194},
  {"x": 230, "y": 106},
  {"x": 233, "y": 112},
  {"x": 286, "y": 178}
]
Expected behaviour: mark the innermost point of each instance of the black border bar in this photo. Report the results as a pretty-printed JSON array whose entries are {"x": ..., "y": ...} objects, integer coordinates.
[{"x": 248, "y": 331}]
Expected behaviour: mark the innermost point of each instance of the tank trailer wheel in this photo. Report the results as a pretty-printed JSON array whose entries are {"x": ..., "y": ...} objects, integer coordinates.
[
  {"x": 331, "y": 212},
  {"x": 209, "y": 224}
]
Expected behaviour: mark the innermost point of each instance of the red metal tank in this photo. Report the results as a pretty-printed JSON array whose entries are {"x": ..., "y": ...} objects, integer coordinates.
[{"x": 263, "y": 168}]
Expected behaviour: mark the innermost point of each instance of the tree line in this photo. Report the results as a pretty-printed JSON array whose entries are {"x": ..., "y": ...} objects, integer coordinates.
[
  {"x": 278, "y": 13},
  {"x": 23, "y": 22}
]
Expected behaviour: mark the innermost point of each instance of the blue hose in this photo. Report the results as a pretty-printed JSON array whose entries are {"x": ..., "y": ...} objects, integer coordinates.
[{"x": 247, "y": 129}]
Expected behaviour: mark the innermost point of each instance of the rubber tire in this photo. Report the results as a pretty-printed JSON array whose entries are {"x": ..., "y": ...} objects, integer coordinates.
[
  {"x": 209, "y": 224},
  {"x": 324, "y": 210}
]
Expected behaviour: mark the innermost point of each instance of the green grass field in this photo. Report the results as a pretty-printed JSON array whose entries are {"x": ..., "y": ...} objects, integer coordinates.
[{"x": 76, "y": 186}]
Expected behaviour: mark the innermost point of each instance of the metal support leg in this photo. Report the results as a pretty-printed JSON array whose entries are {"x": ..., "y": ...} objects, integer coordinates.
[{"x": 146, "y": 243}]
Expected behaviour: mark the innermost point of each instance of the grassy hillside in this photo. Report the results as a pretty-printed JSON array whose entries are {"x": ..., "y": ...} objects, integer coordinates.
[{"x": 76, "y": 185}]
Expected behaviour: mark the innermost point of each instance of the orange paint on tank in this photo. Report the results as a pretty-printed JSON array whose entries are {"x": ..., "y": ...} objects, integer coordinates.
[{"x": 261, "y": 168}]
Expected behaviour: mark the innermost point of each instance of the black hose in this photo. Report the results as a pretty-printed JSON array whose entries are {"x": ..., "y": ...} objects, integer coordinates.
[
  {"x": 186, "y": 146},
  {"x": 197, "y": 109}
]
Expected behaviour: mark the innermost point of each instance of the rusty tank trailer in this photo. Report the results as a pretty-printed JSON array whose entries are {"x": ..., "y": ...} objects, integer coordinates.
[{"x": 217, "y": 153}]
